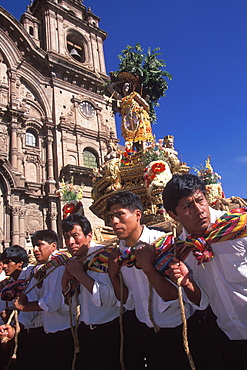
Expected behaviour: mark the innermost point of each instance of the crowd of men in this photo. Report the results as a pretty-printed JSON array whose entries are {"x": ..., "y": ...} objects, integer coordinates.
[{"x": 128, "y": 315}]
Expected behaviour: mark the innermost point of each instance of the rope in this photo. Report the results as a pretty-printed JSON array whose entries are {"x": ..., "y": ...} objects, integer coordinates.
[
  {"x": 184, "y": 327},
  {"x": 74, "y": 329},
  {"x": 150, "y": 307},
  {"x": 14, "y": 314},
  {"x": 17, "y": 330},
  {"x": 121, "y": 322},
  {"x": 182, "y": 311}
]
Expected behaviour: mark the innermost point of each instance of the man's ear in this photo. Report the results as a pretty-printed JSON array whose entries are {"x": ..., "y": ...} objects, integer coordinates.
[
  {"x": 138, "y": 213},
  {"x": 172, "y": 215},
  {"x": 19, "y": 264},
  {"x": 89, "y": 237},
  {"x": 54, "y": 246}
]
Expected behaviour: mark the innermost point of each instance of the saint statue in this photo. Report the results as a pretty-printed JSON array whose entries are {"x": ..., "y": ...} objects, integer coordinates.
[{"x": 136, "y": 127}]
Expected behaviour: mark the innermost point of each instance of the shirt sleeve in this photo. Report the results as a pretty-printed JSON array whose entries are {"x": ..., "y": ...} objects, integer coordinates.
[
  {"x": 53, "y": 298},
  {"x": 103, "y": 292},
  {"x": 204, "y": 302},
  {"x": 129, "y": 305}
]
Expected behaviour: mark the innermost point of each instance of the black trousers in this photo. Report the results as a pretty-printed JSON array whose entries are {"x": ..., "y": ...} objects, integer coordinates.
[
  {"x": 40, "y": 351},
  {"x": 31, "y": 349},
  {"x": 165, "y": 349},
  {"x": 228, "y": 354},
  {"x": 100, "y": 346}
]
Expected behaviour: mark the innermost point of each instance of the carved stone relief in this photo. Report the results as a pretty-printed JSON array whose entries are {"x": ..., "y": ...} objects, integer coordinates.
[{"x": 34, "y": 219}]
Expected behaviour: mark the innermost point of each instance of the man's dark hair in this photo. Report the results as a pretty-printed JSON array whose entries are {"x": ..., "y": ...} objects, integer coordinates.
[
  {"x": 181, "y": 186},
  {"x": 48, "y": 236},
  {"x": 69, "y": 222},
  {"x": 126, "y": 199},
  {"x": 16, "y": 254}
]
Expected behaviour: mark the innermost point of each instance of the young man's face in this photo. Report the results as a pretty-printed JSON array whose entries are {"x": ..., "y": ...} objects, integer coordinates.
[
  {"x": 10, "y": 266},
  {"x": 42, "y": 250},
  {"x": 125, "y": 223},
  {"x": 76, "y": 242},
  {"x": 193, "y": 213}
]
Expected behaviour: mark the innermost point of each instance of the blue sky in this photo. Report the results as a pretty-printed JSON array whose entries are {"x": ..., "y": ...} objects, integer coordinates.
[{"x": 204, "y": 46}]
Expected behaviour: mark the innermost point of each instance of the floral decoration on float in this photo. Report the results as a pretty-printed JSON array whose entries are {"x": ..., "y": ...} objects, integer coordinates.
[
  {"x": 211, "y": 179},
  {"x": 71, "y": 195}
]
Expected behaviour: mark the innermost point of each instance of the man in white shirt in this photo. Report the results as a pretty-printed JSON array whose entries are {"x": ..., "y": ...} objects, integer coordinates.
[
  {"x": 163, "y": 348},
  {"x": 218, "y": 265},
  {"x": 99, "y": 312},
  {"x": 14, "y": 260},
  {"x": 55, "y": 341}
]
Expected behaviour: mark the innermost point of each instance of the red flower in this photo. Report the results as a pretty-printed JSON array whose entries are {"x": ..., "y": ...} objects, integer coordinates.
[{"x": 158, "y": 167}]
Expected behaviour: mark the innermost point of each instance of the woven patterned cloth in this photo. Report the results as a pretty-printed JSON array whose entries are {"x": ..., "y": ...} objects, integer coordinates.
[
  {"x": 10, "y": 291},
  {"x": 231, "y": 225}
]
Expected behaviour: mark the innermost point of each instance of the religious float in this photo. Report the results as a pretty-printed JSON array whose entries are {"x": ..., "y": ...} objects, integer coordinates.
[{"x": 144, "y": 165}]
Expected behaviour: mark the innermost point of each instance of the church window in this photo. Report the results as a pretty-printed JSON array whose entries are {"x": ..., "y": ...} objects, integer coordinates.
[
  {"x": 90, "y": 159},
  {"x": 31, "y": 139},
  {"x": 31, "y": 30}
]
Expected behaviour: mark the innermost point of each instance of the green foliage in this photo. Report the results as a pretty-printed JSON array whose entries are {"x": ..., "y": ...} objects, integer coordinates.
[
  {"x": 150, "y": 71},
  {"x": 155, "y": 152}
]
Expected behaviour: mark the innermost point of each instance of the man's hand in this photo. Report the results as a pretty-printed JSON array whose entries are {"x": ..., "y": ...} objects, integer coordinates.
[
  {"x": 7, "y": 332},
  {"x": 178, "y": 270},
  {"x": 145, "y": 257},
  {"x": 75, "y": 268},
  {"x": 113, "y": 265},
  {"x": 20, "y": 301},
  {"x": 65, "y": 280}
]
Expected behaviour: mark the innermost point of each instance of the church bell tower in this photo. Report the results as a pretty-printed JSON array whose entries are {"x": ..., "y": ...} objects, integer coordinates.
[{"x": 54, "y": 120}]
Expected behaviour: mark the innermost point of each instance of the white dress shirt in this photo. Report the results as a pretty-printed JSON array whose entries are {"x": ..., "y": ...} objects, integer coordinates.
[
  {"x": 166, "y": 313},
  {"x": 224, "y": 279},
  {"x": 36, "y": 320},
  {"x": 100, "y": 306},
  {"x": 55, "y": 314},
  {"x": 2, "y": 275},
  {"x": 31, "y": 319}
]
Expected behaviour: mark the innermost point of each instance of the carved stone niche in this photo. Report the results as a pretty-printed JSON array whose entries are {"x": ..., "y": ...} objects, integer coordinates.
[
  {"x": 3, "y": 141},
  {"x": 34, "y": 219}
]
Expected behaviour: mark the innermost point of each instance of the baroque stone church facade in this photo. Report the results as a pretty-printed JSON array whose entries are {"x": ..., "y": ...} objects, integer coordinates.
[{"x": 54, "y": 121}]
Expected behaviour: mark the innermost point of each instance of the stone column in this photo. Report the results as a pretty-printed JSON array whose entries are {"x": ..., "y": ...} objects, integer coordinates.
[
  {"x": 19, "y": 154},
  {"x": 49, "y": 159},
  {"x": 15, "y": 225},
  {"x": 22, "y": 214},
  {"x": 53, "y": 216},
  {"x": 101, "y": 55},
  {"x": 14, "y": 149}
]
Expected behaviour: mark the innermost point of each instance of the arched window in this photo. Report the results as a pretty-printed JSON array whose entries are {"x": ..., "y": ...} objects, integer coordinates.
[
  {"x": 31, "y": 139},
  {"x": 90, "y": 159},
  {"x": 31, "y": 30},
  {"x": 75, "y": 46}
]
